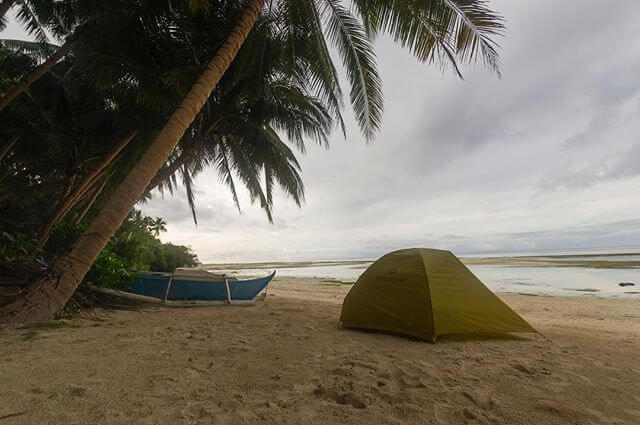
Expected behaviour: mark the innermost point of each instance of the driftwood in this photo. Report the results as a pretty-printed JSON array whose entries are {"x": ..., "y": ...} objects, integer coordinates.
[{"x": 168, "y": 303}]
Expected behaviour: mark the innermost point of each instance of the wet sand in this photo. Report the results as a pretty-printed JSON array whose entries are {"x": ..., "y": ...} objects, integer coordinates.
[{"x": 286, "y": 362}]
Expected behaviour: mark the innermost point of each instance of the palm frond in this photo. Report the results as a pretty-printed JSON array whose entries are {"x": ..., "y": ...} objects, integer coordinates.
[
  {"x": 358, "y": 56},
  {"x": 226, "y": 174},
  {"x": 283, "y": 166},
  {"x": 188, "y": 185},
  {"x": 30, "y": 21},
  {"x": 438, "y": 30},
  {"x": 5, "y": 5},
  {"x": 476, "y": 25},
  {"x": 37, "y": 50},
  {"x": 306, "y": 54},
  {"x": 324, "y": 71},
  {"x": 247, "y": 169},
  {"x": 268, "y": 183}
]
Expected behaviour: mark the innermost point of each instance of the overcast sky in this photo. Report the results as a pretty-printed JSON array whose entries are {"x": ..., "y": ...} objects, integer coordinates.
[{"x": 546, "y": 158}]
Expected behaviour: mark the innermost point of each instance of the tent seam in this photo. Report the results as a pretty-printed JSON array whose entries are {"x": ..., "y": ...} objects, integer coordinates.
[{"x": 430, "y": 300}]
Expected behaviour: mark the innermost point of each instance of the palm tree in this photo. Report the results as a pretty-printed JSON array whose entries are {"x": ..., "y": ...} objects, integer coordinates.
[
  {"x": 81, "y": 188},
  {"x": 157, "y": 226},
  {"x": 35, "y": 74},
  {"x": 77, "y": 22},
  {"x": 67, "y": 146},
  {"x": 95, "y": 193},
  {"x": 239, "y": 136},
  {"x": 429, "y": 28},
  {"x": 37, "y": 17}
]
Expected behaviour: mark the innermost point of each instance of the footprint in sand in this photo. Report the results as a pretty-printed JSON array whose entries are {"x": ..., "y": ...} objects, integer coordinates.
[
  {"x": 196, "y": 411},
  {"x": 77, "y": 391},
  {"x": 566, "y": 413},
  {"x": 633, "y": 412},
  {"x": 342, "y": 398},
  {"x": 160, "y": 386},
  {"x": 445, "y": 414},
  {"x": 480, "y": 399},
  {"x": 412, "y": 381},
  {"x": 559, "y": 385},
  {"x": 372, "y": 366},
  {"x": 193, "y": 373},
  {"x": 606, "y": 419},
  {"x": 238, "y": 349},
  {"x": 343, "y": 371}
]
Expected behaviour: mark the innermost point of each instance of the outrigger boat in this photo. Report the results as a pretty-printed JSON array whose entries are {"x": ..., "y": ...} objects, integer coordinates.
[{"x": 193, "y": 287}]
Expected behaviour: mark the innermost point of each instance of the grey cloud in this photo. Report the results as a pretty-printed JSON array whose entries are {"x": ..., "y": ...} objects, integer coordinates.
[
  {"x": 620, "y": 166},
  {"x": 614, "y": 235}
]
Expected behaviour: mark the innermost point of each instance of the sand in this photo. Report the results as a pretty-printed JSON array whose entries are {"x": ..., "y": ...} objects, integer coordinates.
[{"x": 286, "y": 362}]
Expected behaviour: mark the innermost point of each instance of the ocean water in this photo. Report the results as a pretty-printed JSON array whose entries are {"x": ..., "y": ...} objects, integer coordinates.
[
  {"x": 546, "y": 280},
  {"x": 560, "y": 280}
]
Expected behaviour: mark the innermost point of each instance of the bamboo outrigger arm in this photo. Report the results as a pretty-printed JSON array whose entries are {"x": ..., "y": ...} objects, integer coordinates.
[{"x": 152, "y": 300}]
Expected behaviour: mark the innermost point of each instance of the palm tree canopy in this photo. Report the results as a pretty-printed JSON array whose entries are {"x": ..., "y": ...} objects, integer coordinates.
[{"x": 142, "y": 56}]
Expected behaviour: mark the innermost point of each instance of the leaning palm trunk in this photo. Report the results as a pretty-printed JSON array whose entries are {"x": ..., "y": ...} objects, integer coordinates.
[
  {"x": 67, "y": 203},
  {"x": 38, "y": 72},
  {"x": 47, "y": 296},
  {"x": 94, "y": 196},
  {"x": 6, "y": 148}
]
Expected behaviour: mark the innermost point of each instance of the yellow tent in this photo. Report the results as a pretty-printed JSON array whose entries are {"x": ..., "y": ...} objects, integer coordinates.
[{"x": 426, "y": 293}]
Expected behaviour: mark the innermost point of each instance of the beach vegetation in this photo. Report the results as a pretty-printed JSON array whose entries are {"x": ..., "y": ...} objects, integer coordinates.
[{"x": 134, "y": 247}]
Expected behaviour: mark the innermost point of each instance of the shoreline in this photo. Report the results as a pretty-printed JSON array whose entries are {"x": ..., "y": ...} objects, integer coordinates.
[
  {"x": 579, "y": 293},
  {"x": 285, "y": 361},
  {"x": 535, "y": 260},
  {"x": 629, "y": 296}
]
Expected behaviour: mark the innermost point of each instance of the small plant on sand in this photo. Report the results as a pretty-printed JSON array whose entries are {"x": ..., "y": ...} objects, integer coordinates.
[{"x": 33, "y": 329}]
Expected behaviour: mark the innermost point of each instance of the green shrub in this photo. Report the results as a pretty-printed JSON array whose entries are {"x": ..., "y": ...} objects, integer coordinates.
[
  {"x": 111, "y": 271},
  {"x": 135, "y": 248}
]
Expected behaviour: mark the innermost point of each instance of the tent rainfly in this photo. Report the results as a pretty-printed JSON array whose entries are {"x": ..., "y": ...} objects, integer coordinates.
[{"x": 426, "y": 293}]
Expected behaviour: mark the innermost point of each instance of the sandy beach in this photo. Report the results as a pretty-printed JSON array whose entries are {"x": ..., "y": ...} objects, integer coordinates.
[{"x": 286, "y": 362}]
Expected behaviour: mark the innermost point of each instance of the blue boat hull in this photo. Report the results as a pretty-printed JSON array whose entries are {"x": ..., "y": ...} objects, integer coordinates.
[{"x": 184, "y": 288}]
